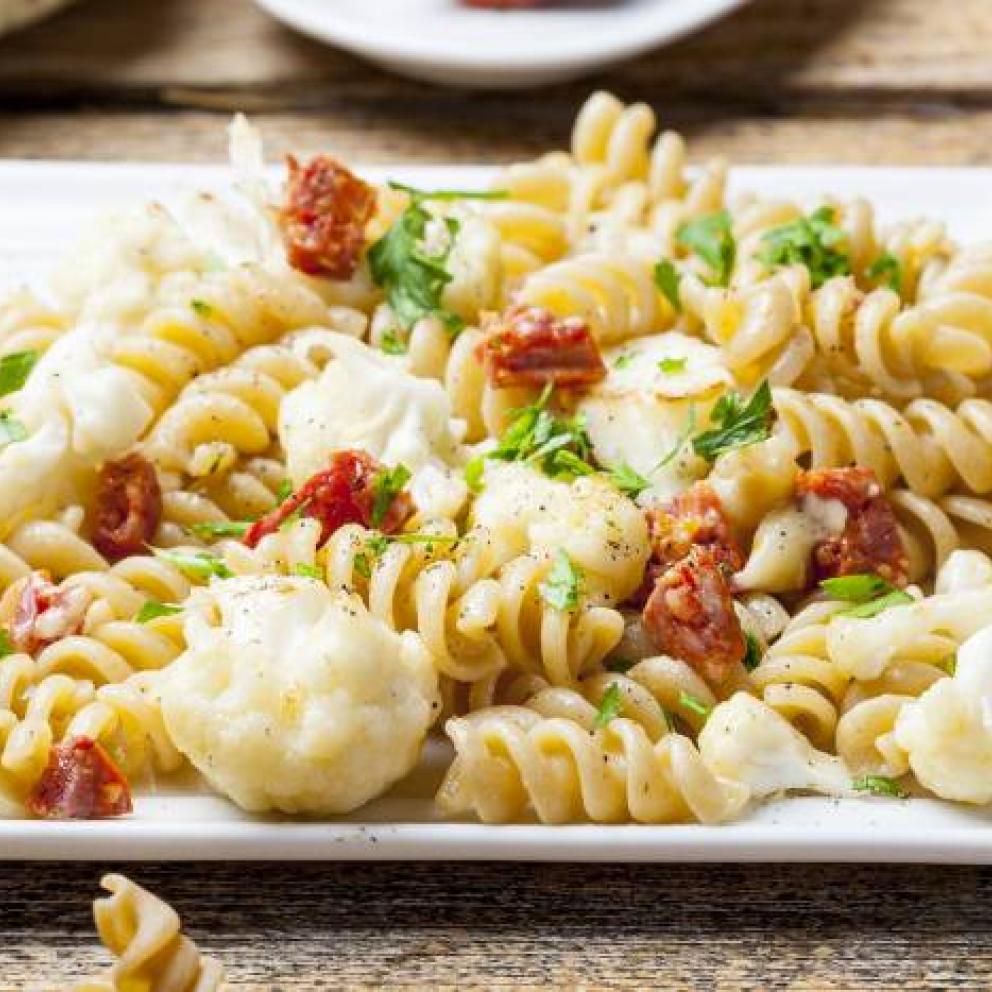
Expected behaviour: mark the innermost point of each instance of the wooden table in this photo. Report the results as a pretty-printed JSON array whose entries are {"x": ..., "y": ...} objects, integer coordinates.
[{"x": 897, "y": 81}]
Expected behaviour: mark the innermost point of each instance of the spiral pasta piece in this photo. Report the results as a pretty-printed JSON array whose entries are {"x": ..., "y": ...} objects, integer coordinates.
[
  {"x": 510, "y": 760},
  {"x": 144, "y": 935},
  {"x": 28, "y": 324},
  {"x": 929, "y": 446}
]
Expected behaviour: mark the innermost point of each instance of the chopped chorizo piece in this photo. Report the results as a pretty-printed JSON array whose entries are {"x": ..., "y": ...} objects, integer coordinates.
[
  {"x": 128, "y": 507},
  {"x": 870, "y": 541},
  {"x": 324, "y": 216},
  {"x": 530, "y": 346},
  {"x": 694, "y": 518},
  {"x": 80, "y": 782},
  {"x": 46, "y": 613},
  {"x": 690, "y": 615},
  {"x": 345, "y": 493}
]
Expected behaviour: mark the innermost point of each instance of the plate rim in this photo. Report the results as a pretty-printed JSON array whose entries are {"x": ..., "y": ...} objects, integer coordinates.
[{"x": 669, "y": 22}]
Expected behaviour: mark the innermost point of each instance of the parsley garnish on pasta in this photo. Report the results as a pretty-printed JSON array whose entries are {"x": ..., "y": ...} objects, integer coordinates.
[
  {"x": 667, "y": 278},
  {"x": 888, "y": 270},
  {"x": 695, "y": 704},
  {"x": 739, "y": 423},
  {"x": 153, "y": 609},
  {"x": 562, "y": 587},
  {"x": 196, "y": 564},
  {"x": 609, "y": 707},
  {"x": 814, "y": 241},
  {"x": 388, "y": 484},
  {"x": 869, "y": 593},
  {"x": 15, "y": 369},
  {"x": 879, "y": 785},
  {"x": 711, "y": 237}
]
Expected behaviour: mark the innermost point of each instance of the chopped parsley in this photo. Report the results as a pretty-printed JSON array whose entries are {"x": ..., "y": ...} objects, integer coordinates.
[
  {"x": 220, "y": 528},
  {"x": 609, "y": 706},
  {"x": 694, "y": 704},
  {"x": 622, "y": 361},
  {"x": 740, "y": 423},
  {"x": 413, "y": 278},
  {"x": 386, "y": 486},
  {"x": 15, "y": 369},
  {"x": 201, "y": 309},
  {"x": 898, "y": 597},
  {"x": 558, "y": 445},
  {"x": 870, "y": 594},
  {"x": 667, "y": 278},
  {"x": 450, "y": 194},
  {"x": 6, "y": 644},
  {"x": 684, "y": 438},
  {"x": 886, "y": 269},
  {"x": 562, "y": 586},
  {"x": 752, "y": 652},
  {"x": 712, "y": 239},
  {"x": 283, "y": 491},
  {"x": 11, "y": 429},
  {"x": 308, "y": 571},
  {"x": 196, "y": 564},
  {"x": 474, "y": 472},
  {"x": 362, "y": 565},
  {"x": 879, "y": 785},
  {"x": 629, "y": 482},
  {"x": 673, "y": 366},
  {"x": 153, "y": 609},
  {"x": 814, "y": 242},
  {"x": 393, "y": 344}
]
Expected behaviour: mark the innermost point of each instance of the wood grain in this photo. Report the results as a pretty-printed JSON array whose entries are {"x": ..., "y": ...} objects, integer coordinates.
[
  {"x": 894, "y": 81},
  {"x": 721, "y": 928}
]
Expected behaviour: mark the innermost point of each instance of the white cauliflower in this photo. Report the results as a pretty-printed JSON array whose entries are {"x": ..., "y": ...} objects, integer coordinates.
[
  {"x": 947, "y": 731},
  {"x": 293, "y": 697}
]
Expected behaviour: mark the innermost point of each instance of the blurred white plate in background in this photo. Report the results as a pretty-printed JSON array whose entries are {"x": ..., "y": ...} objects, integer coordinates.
[{"x": 447, "y": 43}]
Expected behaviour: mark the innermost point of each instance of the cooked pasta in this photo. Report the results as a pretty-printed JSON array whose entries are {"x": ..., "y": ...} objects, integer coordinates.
[{"x": 660, "y": 500}]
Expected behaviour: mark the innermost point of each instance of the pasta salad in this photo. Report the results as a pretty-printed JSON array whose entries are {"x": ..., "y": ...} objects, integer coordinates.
[{"x": 653, "y": 501}]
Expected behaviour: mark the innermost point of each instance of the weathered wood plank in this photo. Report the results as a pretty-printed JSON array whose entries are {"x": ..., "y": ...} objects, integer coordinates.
[
  {"x": 768, "y": 51},
  {"x": 479, "y": 130},
  {"x": 293, "y": 927}
]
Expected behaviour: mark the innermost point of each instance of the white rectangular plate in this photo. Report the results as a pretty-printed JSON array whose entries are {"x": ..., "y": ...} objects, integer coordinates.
[{"x": 43, "y": 205}]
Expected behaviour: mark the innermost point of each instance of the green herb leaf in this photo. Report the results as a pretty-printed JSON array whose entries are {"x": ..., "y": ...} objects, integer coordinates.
[
  {"x": 619, "y": 665},
  {"x": 363, "y": 566},
  {"x": 879, "y": 785},
  {"x": 629, "y": 482},
  {"x": 856, "y": 588},
  {"x": 422, "y": 539},
  {"x": 886, "y": 268},
  {"x": 414, "y": 279},
  {"x": 562, "y": 586},
  {"x": 609, "y": 706},
  {"x": 474, "y": 472},
  {"x": 752, "y": 652},
  {"x": 897, "y": 597},
  {"x": 6, "y": 644},
  {"x": 15, "y": 369},
  {"x": 712, "y": 239},
  {"x": 622, "y": 361},
  {"x": 201, "y": 309},
  {"x": 153, "y": 609},
  {"x": 283, "y": 491},
  {"x": 667, "y": 279},
  {"x": 11, "y": 429},
  {"x": 450, "y": 194},
  {"x": 308, "y": 571},
  {"x": 810, "y": 241},
  {"x": 196, "y": 564},
  {"x": 740, "y": 424},
  {"x": 695, "y": 704},
  {"x": 386, "y": 486},
  {"x": 220, "y": 528},
  {"x": 393, "y": 344},
  {"x": 559, "y": 445},
  {"x": 672, "y": 366}
]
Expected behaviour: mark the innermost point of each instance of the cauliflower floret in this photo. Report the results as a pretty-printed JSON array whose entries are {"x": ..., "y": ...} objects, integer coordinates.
[
  {"x": 947, "y": 731},
  {"x": 747, "y": 741},
  {"x": 602, "y": 531},
  {"x": 292, "y": 697}
]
